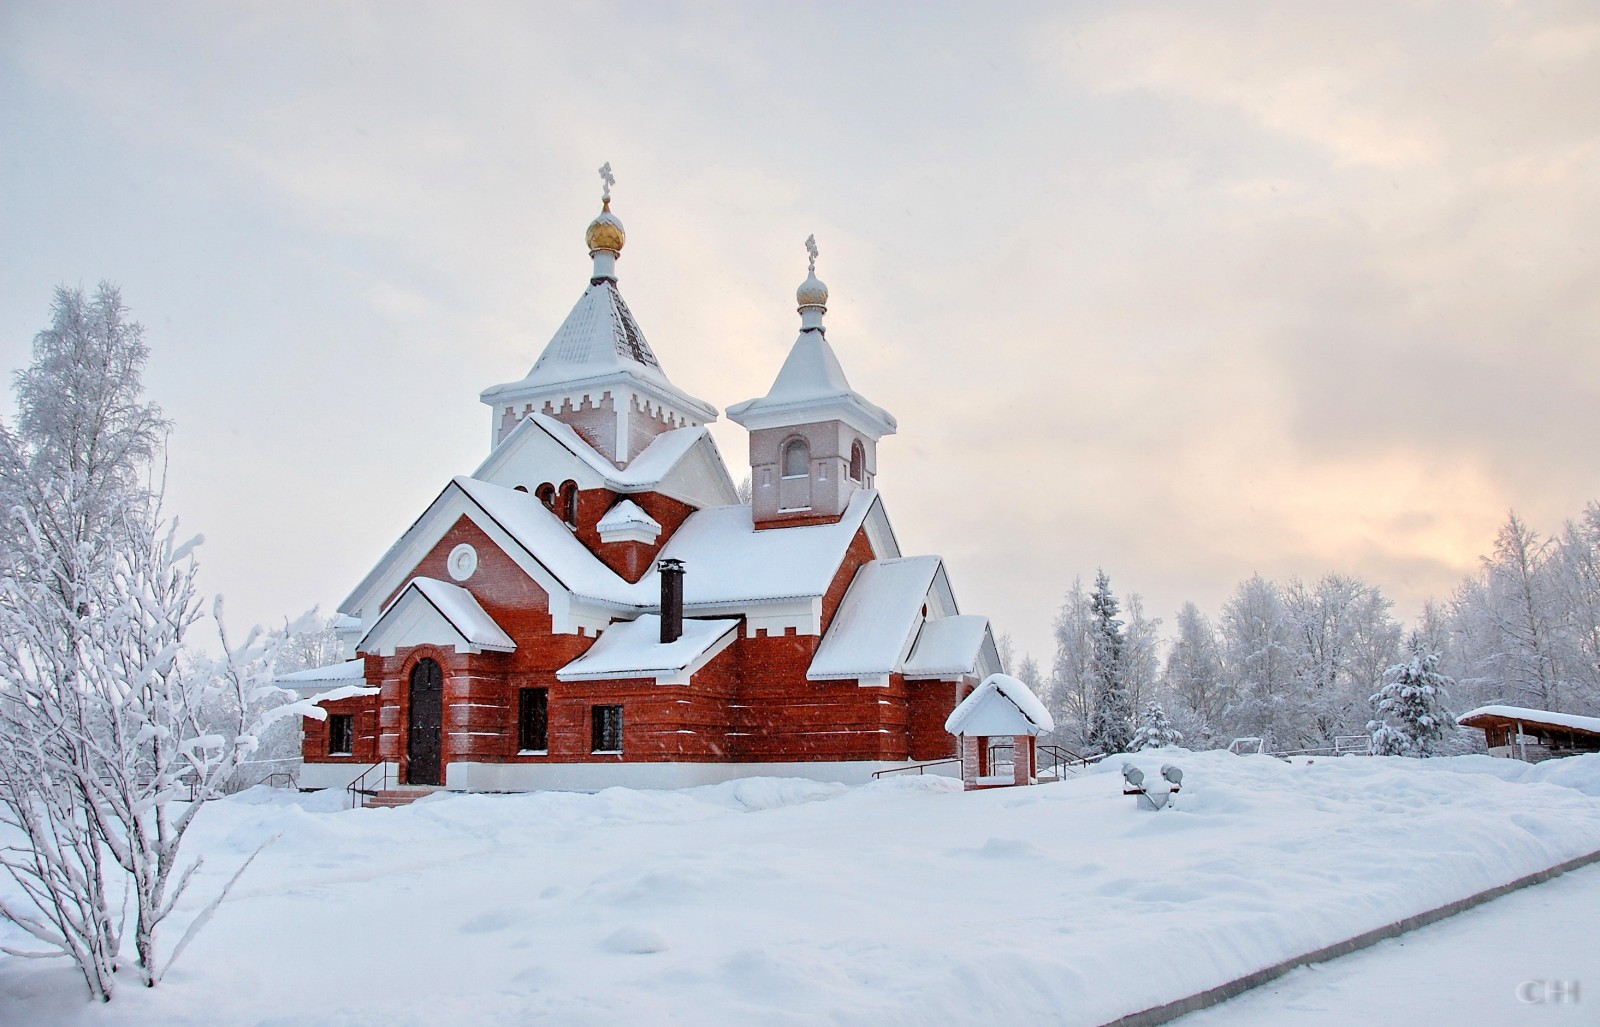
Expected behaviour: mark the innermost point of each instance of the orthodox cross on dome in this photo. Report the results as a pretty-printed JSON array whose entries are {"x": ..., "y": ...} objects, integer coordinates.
[
  {"x": 811, "y": 249},
  {"x": 609, "y": 180}
]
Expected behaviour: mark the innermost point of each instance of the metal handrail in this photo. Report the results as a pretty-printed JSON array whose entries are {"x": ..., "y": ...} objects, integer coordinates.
[
  {"x": 1060, "y": 757},
  {"x": 358, "y": 793},
  {"x": 918, "y": 767}
]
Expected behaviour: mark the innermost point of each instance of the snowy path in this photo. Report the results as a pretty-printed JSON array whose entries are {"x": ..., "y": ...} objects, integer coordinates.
[
  {"x": 1497, "y": 964},
  {"x": 784, "y": 902}
]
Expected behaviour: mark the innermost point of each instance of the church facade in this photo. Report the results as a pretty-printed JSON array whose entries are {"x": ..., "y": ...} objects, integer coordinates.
[{"x": 595, "y": 606}]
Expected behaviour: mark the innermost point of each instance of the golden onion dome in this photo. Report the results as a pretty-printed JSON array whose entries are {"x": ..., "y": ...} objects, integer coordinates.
[
  {"x": 812, "y": 293},
  {"x": 605, "y": 232}
]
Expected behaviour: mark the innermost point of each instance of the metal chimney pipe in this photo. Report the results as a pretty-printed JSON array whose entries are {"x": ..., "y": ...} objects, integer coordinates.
[{"x": 671, "y": 600}]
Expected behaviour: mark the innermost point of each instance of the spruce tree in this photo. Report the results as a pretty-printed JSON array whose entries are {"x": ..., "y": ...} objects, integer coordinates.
[
  {"x": 1111, "y": 721},
  {"x": 1413, "y": 720},
  {"x": 1155, "y": 730}
]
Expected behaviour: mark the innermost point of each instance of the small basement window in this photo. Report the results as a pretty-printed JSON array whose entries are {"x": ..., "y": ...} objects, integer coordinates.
[
  {"x": 341, "y": 734},
  {"x": 607, "y": 728},
  {"x": 533, "y": 719}
]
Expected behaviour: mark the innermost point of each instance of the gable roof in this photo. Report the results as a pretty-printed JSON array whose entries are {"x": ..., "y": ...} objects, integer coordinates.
[
  {"x": 598, "y": 343},
  {"x": 950, "y": 646},
  {"x": 667, "y": 458},
  {"x": 1002, "y": 705},
  {"x": 633, "y": 649},
  {"x": 626, "y": 514},
  {"x": 877, "y": 619},
  {"x": 423, "y": 607}
]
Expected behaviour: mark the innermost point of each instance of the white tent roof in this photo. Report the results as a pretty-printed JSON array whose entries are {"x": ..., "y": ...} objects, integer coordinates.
[
  {"x": 811, "y": 386},
  {"x": 599, "y": 342}
]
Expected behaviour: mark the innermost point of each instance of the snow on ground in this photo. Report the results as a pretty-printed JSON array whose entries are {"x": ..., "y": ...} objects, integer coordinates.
[
  {"x": 789, "y": 902},
  {"x": 1527, "y": 958}
]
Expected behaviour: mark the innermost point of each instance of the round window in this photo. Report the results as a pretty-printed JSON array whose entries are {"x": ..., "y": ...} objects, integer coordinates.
[{"x": 463, "y": 561}]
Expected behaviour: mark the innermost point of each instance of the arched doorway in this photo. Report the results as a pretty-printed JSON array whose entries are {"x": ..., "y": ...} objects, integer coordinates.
[{"x": 423, "y": 765}]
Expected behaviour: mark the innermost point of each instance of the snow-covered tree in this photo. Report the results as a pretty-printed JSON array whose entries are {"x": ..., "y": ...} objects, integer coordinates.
[
  {"x": 1256, "y": 633},
  {"x": 1071, "y": 677},
  {"x": 1194, "y": 673},
  {"x": 1413, "y": 720},
  {"x": 72, "y": 477},
  {"x": 102, "y": 743},
  {"x": 1111, "y": 719},
  {"x": 1155, "y": 730}
]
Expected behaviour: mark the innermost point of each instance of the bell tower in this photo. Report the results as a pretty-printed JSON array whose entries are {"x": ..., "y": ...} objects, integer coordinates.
[{"x": 813, "y": 439}]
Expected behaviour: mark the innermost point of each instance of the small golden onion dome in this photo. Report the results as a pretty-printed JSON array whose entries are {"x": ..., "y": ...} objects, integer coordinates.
[
  {"x": 605, "y": 232},
  {"x": 812, "y": 293}
]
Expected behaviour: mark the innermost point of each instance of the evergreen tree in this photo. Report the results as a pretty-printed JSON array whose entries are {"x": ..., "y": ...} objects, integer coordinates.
[
  {"x": 1111, "y": 720},
  {"x": 1411, "y": 704},
  {"x": 1155, "y": 730}
]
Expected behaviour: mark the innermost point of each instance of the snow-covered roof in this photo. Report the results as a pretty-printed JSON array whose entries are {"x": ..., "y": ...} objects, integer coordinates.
[
  {"x": 407, "y": 621},
  {"x": 727, "y": 561},
  {"x": 314, "y": 679},
  {"x": 549, "y": 541},
  {"x": 729, "y": 564},
  {"x": 873, "y": 628},
  {"x": 350, "y": 670},
  {"x": 948, "y": 646},
  {"x": 682, "y": 463},
  {"x": 1540, "y": 718},
  {"x": 599, "y": 342},
  {"x": 1002, "y": 705},
  {"x": 633, "y": 649},
  {"x": 627, "y": 514},
  {"x": 645, "y": 470},
  {"x": 811, "y": 381}
]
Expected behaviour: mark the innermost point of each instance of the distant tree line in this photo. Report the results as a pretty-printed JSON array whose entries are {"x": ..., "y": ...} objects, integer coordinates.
[{"x": 1301, "y": 664}]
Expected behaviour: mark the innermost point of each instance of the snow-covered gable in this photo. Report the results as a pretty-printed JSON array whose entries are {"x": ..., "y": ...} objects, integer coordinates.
[
  {"x": 1542, "y": 718},
  {"x": 1000, "y": 706},
  {"x": 952, "y": 647},
  {"x": 533, "y": 537},
  {"x": 683, "y": 463},
  {"x": 877, "y": 620},
  {"x": 432, "y": 612},
  {"x": 730, "y": 566},
  {"x": 633, "y": 649}
]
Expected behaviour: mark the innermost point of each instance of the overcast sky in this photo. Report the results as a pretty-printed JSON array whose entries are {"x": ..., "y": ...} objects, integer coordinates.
[{"x": 1185, "y": 291}]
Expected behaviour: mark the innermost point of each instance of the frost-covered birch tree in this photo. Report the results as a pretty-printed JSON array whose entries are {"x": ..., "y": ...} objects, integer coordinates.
[{"x": 102, "y": 749}]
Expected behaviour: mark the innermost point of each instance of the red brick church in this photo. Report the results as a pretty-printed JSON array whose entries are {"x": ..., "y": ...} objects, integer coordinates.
[{"x": 595, "y": 606}]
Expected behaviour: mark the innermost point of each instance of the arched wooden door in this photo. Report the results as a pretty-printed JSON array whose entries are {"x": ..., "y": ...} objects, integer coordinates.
[{"x": 423, "y": 744}]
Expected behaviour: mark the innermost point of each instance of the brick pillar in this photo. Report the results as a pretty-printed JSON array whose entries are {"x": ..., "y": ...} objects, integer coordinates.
[
  {"x": 1022, "y": 763},
  {"x": 969, "y": 759}
]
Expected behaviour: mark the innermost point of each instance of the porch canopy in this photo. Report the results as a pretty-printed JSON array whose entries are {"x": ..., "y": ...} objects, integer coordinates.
[{"x": 1556, "y": 733}]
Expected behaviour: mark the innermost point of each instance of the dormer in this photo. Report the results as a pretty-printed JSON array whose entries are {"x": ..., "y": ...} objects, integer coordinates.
[
  {"x": 598, "y": 374},
  {"x": 813, "y": 439}
]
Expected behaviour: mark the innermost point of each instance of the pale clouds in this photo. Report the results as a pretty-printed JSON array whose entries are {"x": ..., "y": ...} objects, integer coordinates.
[{"x": 1184, "y": 291}]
